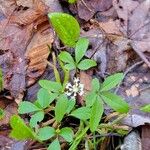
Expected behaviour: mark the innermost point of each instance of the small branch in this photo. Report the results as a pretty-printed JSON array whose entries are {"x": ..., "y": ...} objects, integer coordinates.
[{"x": 48, "y": 122}]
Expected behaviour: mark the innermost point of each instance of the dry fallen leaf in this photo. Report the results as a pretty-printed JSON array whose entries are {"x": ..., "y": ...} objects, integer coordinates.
[
  {"x": 26, "y": 17},
  {"x": 86, "y": 8},
  {"x": 134, "y": 22},
  {"x": 110, "y": 27},
  {"x": 37, "y": 53},
  {"x": 7, "y": 7}
]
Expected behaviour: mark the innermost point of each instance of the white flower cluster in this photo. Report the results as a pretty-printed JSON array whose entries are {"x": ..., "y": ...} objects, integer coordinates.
[{"x": 76, "y": 88}]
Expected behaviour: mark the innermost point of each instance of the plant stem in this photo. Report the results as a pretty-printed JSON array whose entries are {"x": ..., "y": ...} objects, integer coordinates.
[
  {"x": 78, "y": 138},
  {"x": 94, "y": 140}
]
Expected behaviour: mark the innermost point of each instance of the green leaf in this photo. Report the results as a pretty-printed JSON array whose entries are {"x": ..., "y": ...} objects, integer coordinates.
[
  {"x": 82, "y": 113},
  {"x": 50, "y": 85},
  {"x": 111, "y": 81},
  {"x": 115, "y": 102},
  {"x": 70, "y": 66},
  {"x": 66, "y": 27},
  {"x": 46, "y": 133},
  {"x": 45, "y": 98},
  {"x": 86, "y": 64},
  {"x": 95, "y": 85},
  {"x": 81, "y": 48},
  {"x": 71, "y": 1},
  {"x": 55, "y": 145},
  {"x": 37, "y": 117},
  {"x": 66, "y": 57},
  {"x": 71, "y": 104},
  {"x": 145, "y": 108},
  {"x": 67, "y": 134},
  {"x": 96, "y": 114},
  {"x": 27, "y": 107},
  {"x": 2, "y": 113},
  {"x": 90, "y": 98},
  {"x": 61, "y": 107},
  {"x": 20, "y": 130}
]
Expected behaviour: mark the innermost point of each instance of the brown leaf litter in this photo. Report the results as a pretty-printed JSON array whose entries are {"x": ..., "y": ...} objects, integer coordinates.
[{"x": 25, "y": 34}]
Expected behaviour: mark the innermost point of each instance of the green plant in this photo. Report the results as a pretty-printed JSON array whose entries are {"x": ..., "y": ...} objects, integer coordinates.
[
  {"x": 100, "y": 94},
  {"x": 2, "y": 113},
  {"x": 80, "y": 50},
  {"x": 62, "y": 108},
  {"x": 56, "y": 100},
  {"x": 71, "y": 1},
  {"x": 145, "y": 108},
  {"x": 66, "y": 27}
]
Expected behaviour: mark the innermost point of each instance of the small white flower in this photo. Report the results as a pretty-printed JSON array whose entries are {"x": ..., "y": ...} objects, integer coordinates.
[{"x": 76, "y": 88}]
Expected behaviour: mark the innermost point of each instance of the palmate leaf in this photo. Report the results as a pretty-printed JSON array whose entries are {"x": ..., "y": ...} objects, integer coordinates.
[
  {"x": 115, "y": 102},
  {"x": 27, "y": 107},
  {"x": 111, "y": 81},
  {"x": 70, "y": 66},
  {"x": 81, "y": 48},
  {"x": 71, "y": 104},
  {"x": 66, "y": 57},
  {"x": 95, "y": 85},
  {"x": 82, "y": 113},
  {"x": 61, "y": 107},
  {"x": 50, "y": 85},
  {"x": 86, "y": 64},
  {"x": 37, "y": 117},
  {"x": 46, "y": 133},
  {"x": 45, "y": 98},
  {"x": 67, "y": 134},
  {"x": 90, "y": 98},
  {"x": 66, "y": 27},
  {"x": 55, "y": 145},
  {"x": 96, "y": 114},
  {"x": 20, "y": 130}
]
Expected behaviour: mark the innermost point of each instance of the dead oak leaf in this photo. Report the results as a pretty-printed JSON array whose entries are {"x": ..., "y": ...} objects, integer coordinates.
[
  {"x": 87, "y": 8},
  {"x": 134, "y": 22}
]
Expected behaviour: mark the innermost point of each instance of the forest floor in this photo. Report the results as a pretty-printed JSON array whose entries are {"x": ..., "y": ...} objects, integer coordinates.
[{"x": 119, "y": 35}]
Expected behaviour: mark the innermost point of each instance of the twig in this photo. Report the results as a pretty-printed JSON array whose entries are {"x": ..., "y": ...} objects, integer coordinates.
[
  {"x": 48, "y": 122},
  {"x": 104, "y": 135},
  {"x": 127, "y": 71}
]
